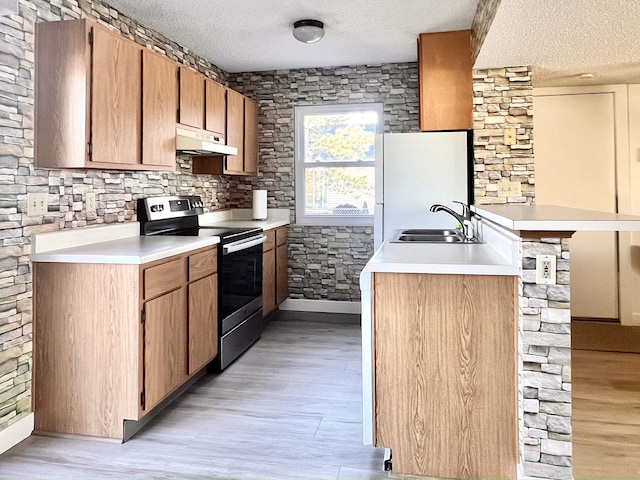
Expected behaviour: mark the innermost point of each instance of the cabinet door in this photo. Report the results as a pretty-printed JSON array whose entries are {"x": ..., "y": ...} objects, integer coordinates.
[
  {"x": 203, "y": 322},
  {"x": 165, "y": 346},
  {"x": 268, "y": 281},
  {"x": 216, "y": 108},
  {"x": 191, "y": 98},
  {"x": 445, "y": 80},
  {"x": 62, "y": 89},
  {"x": 235, "y": 131},
  {"x": 445, "y": 348},
  {"x": 282, "y": 280},
  {"x": 159, "y": 105},
  {"x": 116, "y": 105},
  {"x": 250, "y": 136}
]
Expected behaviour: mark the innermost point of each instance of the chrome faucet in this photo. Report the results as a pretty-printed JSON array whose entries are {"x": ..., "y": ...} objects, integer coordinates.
[{"x": 464, "y": 220}]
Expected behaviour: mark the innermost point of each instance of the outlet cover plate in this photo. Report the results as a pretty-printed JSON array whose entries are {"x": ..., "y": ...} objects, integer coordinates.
[
  {"x": 546, "y": 269},
  {"x": 509, "y": 189},
  {"x": 37, "y": 204}
]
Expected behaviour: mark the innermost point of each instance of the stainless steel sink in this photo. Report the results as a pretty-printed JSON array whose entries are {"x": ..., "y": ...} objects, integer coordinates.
[
  {"x": 430, "y": 231},
  {"x": 431, "y": 236}
]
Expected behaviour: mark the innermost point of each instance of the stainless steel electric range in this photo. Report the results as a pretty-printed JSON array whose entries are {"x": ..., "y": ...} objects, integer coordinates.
[{"x": 239, "y": 268}]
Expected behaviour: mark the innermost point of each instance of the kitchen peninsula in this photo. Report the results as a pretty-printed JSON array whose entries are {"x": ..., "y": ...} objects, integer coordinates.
[{"x": 466, "y": 359}]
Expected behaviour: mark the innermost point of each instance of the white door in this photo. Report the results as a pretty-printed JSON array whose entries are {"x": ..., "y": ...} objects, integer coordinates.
[{"x": 575, "y": 166}]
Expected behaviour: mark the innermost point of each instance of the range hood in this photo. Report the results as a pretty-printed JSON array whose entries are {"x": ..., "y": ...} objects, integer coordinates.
[{"x": 190, "y": 142}]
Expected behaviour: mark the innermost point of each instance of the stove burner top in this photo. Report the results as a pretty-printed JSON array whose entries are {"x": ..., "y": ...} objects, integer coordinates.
[{"x": 179, "y": 216}]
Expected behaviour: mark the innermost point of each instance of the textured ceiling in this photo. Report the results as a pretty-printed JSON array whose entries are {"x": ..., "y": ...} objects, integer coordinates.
[
  {"x": 562, "y": 39},
  {"x": 255, "y": 35}
]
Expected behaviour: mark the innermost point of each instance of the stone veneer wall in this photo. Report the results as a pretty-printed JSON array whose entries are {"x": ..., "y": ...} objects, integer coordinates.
[
  {"x": 482, "y": 20},
  {"x": 324, "y": 262},
  {"x": 503, "y": 98},
  {"x": 545, "y": 364},
  {"x": 116, "y": 191}
]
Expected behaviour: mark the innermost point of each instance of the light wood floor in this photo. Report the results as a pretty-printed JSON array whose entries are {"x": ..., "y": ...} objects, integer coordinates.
[
  {"x": 288, "y": 408},
  {"x": 606, "y": 414}
]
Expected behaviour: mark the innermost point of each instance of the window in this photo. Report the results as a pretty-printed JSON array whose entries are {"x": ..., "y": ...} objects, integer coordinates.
[{"x": 335, "y": 158}]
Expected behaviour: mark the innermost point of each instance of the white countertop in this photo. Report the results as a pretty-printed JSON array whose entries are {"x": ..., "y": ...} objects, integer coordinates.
[
  {"x": 241, "y": 218},
  {"x": 472, "y": 259},
  {"x": 129, "y": 250},
  {"x": 123, "y": 244},
  {"x": 553, "y": 218}
]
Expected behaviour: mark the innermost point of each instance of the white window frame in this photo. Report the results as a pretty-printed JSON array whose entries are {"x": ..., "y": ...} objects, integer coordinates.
[{"x": 330, "y": 220}]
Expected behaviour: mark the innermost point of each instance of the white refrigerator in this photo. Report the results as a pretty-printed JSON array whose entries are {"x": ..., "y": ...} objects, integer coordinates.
[{"x": 415, "y": 170}]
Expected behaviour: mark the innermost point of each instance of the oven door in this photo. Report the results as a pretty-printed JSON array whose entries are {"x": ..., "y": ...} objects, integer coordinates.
[{"x": 241, "y": 281}]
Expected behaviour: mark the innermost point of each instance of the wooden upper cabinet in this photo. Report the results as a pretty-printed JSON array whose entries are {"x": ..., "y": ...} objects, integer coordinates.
[
  {"x": 215, "y": 115},
  {"x": 250, "y": 136},
  {"x": 235, "y": 131},
  {"x": 446, "y": 89},
  {"x": 115, "y": 110},
  {"x": 62, "y": 89},
  {"x": 88, "y": 98},
  {"x": 191, "y": 98},
  {"x": 159, "y": 105}
]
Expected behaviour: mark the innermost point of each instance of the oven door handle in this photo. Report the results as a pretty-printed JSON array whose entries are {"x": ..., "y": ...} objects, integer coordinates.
[{"x": 243, "y": 244}]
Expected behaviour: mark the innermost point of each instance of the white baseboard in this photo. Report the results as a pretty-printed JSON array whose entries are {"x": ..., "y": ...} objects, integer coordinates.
[
  {"x": 327, "y": 306},
  {"x": 14, "y": 434}
]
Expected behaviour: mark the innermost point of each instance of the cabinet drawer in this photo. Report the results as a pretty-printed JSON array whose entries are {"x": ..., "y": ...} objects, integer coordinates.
[
  {"x": 270, "y": 242},
  {"x": 281, "y": 236},
  {"x": 202, "y": 264},
  {"x": 164, "y": 277}
]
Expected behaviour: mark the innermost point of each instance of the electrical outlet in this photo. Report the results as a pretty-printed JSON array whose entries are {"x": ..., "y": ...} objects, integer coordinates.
[
  {"x": 509, "y": 189},
  {"x": 90, "y": 201},
  {"x": 37, "y": 204},
  {"x": 509, "y": 136},
  {"x": 546, "y": 269}
]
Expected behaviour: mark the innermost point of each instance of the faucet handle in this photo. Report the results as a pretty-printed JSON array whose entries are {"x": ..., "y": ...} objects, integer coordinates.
[{"x": 466, "y": 211}]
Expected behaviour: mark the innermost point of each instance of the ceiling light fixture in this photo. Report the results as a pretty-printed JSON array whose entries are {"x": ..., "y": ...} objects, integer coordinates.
[
  {"x": 308, "y": 31},
  {"x": 586, "y": 76}
]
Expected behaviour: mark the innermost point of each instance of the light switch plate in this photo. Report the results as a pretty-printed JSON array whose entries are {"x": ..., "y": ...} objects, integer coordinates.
[
  {"x": 37, "y": 204},
  {"x": 509, "y": 136}
]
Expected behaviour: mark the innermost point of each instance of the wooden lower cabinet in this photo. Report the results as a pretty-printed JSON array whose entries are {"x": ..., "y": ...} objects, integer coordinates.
[
  {"x": 275, "y": 277},
  {"x": 445, "y": 377},
  {"x": 268, "y": 281},
  {"x": 165, "y": 346},
  {"x": 112, "y": 341},
  {"x": 282, "y": 265},
  {"x": 203, "y": 322}
]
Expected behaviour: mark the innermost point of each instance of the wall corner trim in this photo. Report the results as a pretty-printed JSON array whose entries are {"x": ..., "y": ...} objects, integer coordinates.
[{"x": 14, "y": 434}]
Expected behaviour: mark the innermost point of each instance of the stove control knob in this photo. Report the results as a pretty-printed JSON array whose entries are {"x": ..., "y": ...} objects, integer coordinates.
[{"x": 157, "y": 208}]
